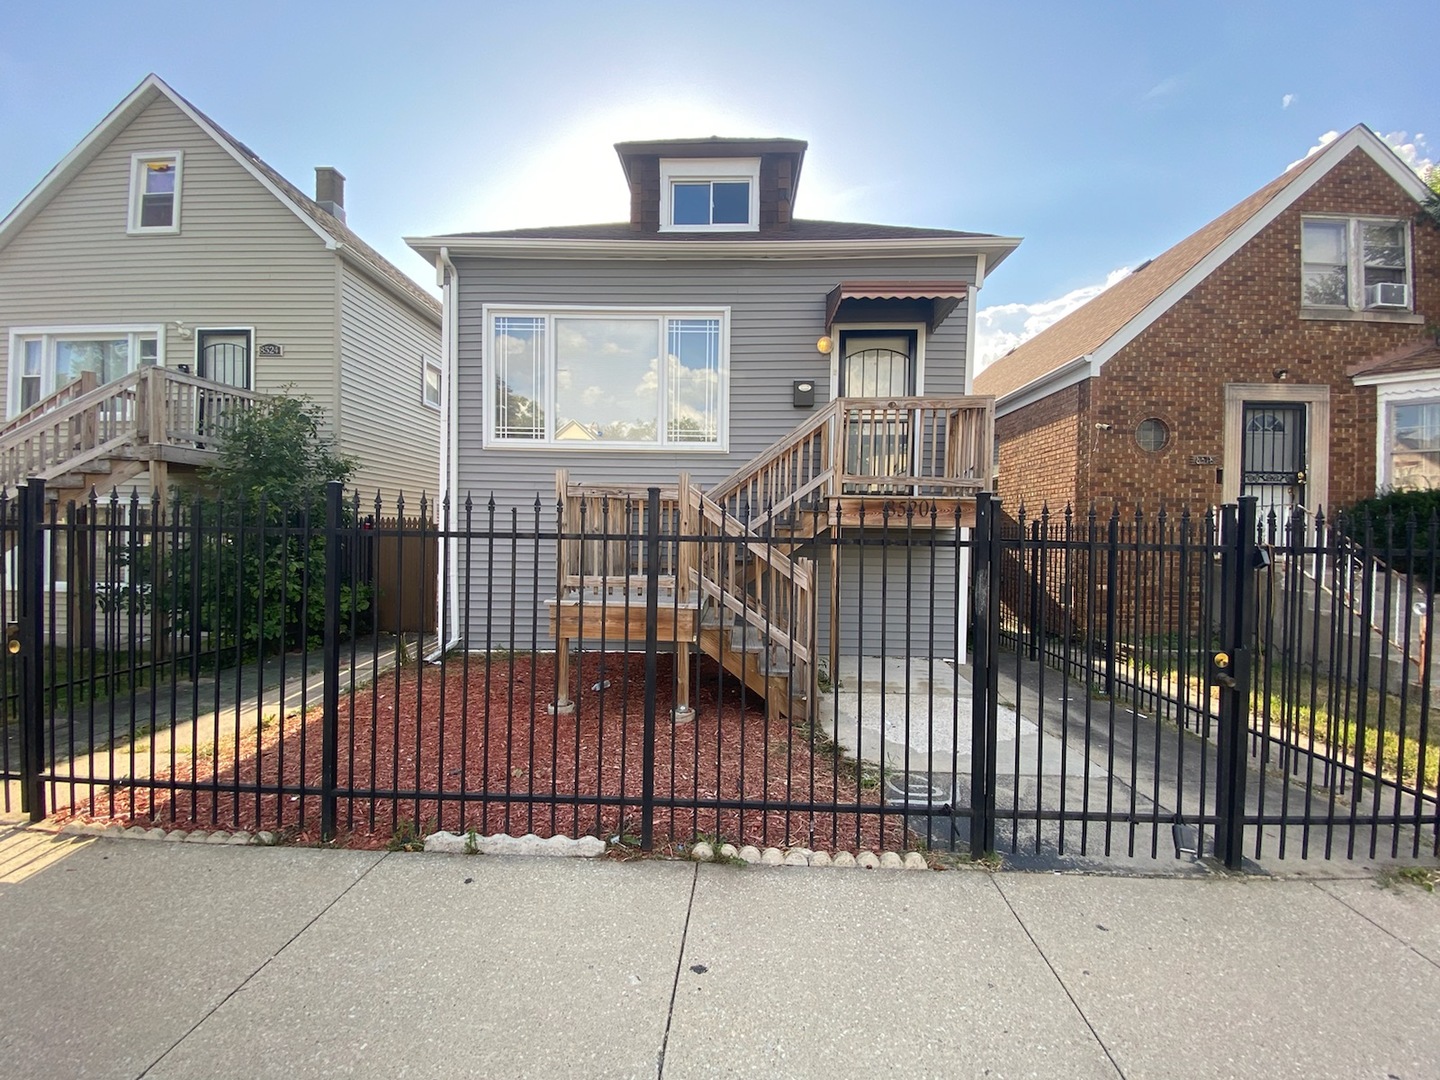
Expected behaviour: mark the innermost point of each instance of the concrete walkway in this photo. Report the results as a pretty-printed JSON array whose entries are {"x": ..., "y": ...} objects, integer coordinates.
[{"x": 126, "y": 958}]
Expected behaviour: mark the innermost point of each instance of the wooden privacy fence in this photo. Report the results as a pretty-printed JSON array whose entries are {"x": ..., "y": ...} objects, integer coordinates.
[{"x": 404, "y": 562}]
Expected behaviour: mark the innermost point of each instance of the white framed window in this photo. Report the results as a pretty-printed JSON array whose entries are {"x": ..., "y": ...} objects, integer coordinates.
[
  {"x": 43, "y": 360},
  {"x": 709, "y": 194},
  {"x": 155, "y": 192},
  {"x": 607, "y": 378},
  {"x": 1356, "y": 264},
  {"x": 1412, "y": 445},
  {"x": 430, "y": 383}
]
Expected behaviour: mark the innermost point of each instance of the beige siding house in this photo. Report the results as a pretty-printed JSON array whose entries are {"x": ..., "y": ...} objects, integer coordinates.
[{"x": 161, "y": 240}]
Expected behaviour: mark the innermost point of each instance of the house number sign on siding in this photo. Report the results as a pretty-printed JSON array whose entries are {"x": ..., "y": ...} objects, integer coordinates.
[{"x": 270, "y": 349}]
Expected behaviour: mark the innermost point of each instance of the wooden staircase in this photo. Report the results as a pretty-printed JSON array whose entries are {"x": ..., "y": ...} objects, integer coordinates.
[
  {"x": 737, "y": 580},
  {"x": 92, "y": 438}
]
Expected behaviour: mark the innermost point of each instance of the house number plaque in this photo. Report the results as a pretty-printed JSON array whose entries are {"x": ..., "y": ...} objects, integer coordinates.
[
  {"x": 270, "y": 349},
  {"x": 1203, "y": 459}
]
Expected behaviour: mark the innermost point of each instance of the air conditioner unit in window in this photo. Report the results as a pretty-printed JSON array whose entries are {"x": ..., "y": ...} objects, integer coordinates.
[{"x": 1387, "y": 294}]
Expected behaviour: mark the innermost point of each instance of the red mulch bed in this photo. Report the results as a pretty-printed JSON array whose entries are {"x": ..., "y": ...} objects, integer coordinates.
[{"x": 481, "y": 734}]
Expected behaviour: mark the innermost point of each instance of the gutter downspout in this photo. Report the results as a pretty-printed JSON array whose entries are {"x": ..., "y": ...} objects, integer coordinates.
[{"x": 446, "y": 278}]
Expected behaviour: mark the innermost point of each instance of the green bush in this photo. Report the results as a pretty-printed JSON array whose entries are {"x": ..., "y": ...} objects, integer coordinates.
[
  {"x": 1383, "y": 524},
  {"x": 245, "y": 564}
]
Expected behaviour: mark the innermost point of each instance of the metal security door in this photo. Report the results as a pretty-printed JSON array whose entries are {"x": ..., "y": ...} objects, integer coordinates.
[
  {"x": 1273, "y": 457},
  {"x": 877, "y": 364}
]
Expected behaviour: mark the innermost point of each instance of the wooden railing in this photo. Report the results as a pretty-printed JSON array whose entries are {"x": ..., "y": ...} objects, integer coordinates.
[
  {"x": 916, "y": 447},
  {"x": 86, "y": 382},
  {"x": 705, "y": 554},
  {"x": 145, "y": 413}
]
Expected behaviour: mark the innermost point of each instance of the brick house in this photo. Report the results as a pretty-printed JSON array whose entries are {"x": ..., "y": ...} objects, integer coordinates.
[{"x": 1247, "y": 359}]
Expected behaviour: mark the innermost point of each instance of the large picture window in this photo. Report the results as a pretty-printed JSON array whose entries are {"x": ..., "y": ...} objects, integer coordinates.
[
  {"x": 629, "y": 379},
  {"x": 43, "y": 361}
]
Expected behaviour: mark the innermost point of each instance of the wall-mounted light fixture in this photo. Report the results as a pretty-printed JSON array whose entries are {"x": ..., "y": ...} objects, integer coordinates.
[
  {"x": 824, "y": 345},
  {"x": 182, "y": 331},
  {"x": 1282, "y": 373}
]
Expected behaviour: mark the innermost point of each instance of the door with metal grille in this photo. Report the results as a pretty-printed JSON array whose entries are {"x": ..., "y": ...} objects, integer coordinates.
[
  {"x": 877, "y": 364},
  {"x": 1273, "y": 456}
]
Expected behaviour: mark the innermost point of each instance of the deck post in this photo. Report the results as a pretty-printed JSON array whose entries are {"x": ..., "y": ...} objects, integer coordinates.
[
  {"x": 563, "y": 705},
  {"x": 685, "y": 562}
]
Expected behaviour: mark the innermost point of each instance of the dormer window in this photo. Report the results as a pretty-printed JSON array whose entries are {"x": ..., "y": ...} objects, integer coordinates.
[
  {"x": 709, "y": 194},
  {"x": 155, "y": 193}
]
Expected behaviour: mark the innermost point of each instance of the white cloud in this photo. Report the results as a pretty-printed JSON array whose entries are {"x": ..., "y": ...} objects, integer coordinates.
[
  {"x": 1414, "y": 152},
  {"x": 1000, "y": 327},
  {"x": 1288, "y": 100},
  {"x": 1164, "y": 88},
  {"x": 1325, "y": 140}
]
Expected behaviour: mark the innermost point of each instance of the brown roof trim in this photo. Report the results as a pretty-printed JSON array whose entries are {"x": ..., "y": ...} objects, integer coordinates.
[
  {"x": 713, "y": 146},
  {"x": 1423, "y": 355}
]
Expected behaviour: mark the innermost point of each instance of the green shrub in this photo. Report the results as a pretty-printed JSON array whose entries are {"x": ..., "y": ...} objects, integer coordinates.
[{"x": 246, "y": 564}]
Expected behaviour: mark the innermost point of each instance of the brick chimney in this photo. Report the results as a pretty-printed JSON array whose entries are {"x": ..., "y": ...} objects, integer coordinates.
[{"x": 330, "y": 190}]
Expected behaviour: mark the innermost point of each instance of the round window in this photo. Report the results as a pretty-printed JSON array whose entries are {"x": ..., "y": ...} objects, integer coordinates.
[{"x": 1152, "y": 435}]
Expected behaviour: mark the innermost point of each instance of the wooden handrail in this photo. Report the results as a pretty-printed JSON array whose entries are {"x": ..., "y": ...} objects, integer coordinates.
[
  {"x": 151, "y": 406},
  {"x": 86, "y": 382},
  {"x": 774, "y": 451}
]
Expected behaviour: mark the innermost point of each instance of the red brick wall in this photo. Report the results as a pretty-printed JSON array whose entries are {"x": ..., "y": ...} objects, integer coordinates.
[
  {"x": 1240, "y": 325},
  {"x": 1040, "y": 451}
]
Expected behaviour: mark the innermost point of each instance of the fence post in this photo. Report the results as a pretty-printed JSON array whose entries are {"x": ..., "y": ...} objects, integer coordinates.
[
  {"x": 330, "y": 710},
  {"x": 1112, "y": 580},
  {"x": 984, "y": 672},
  {"x": 1231, "y": 666},
  {"x": 652, "y": 633},
  {"x": 30, "y": 575}
]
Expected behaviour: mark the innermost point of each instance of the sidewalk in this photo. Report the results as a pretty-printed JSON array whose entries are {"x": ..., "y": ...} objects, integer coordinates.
[{"x": 127, "y": 958}]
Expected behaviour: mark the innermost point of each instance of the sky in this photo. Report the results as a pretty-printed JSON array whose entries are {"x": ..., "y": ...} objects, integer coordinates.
[{"x": 1099, "y": 134}]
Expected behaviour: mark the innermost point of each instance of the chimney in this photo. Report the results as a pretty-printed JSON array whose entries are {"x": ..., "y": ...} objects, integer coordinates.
[{"x": 330, "y": 190}]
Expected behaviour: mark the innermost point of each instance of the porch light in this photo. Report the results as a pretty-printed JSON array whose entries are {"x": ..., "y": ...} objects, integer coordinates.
[{"x": 824, "y": 345}]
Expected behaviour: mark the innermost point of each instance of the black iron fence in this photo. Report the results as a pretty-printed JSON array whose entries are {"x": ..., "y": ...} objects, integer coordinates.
[
  {"x": 1070, "y": 685},
  {"x": 1268, "y": 681}
]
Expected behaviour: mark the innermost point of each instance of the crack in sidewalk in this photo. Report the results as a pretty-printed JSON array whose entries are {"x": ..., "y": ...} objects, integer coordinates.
[
  {"x": 1384, "y": 930},
  {"x": 675, "y": 986},
  {"x": 1075, "y": 1004},
  {"x": 264, "y": 964}
]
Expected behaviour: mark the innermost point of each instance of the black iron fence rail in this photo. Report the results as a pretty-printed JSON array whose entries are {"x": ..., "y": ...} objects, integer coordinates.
[{"x": 1136, "y": 687}]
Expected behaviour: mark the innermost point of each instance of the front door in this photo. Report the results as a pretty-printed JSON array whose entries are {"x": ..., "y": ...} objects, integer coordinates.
[
  {"x": 1273, "y": 457},
  {"x": 223, "y": 356},
  {"x": 876, "y": 364}
]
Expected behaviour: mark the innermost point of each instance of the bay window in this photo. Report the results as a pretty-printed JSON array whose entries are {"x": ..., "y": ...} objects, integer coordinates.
[{"x": 612, "y": 378}]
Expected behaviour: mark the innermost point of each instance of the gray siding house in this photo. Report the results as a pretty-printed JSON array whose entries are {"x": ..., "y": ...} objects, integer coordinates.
[
  {"x": 162, "y": 242},
  {"x": 709, "y": 334}
]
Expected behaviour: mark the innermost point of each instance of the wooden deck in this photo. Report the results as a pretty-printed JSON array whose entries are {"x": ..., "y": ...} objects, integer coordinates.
[
  {"x": 749, "y": 598},
  {"x": 93, "y": 437}
]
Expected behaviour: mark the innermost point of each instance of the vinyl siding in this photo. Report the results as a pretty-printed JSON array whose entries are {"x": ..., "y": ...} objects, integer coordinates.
[
  {"x": 383, "y": 422},
  {"x": 777, "y": 311},
  {"x": 241, "y": 259}
]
